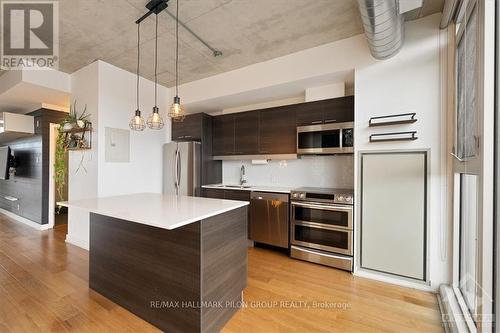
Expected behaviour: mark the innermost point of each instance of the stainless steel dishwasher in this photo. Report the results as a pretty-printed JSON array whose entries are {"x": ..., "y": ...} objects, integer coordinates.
[{"x": 269, "y": 218}]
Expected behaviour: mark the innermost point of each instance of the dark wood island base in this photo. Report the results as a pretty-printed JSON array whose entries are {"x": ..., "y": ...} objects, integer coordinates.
[{"x": 188, "y": 279}]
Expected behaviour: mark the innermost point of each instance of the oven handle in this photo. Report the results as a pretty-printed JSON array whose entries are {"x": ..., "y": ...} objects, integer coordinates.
[
  {"x": 320, "y": 226},
  {"x": 326, "y": 207}
]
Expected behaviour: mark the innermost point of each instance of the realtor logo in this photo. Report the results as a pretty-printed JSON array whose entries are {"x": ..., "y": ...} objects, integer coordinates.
[{"x": 30, "y": 34}]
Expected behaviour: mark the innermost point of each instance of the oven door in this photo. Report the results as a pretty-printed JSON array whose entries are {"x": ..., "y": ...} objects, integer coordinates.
[
  {"x": 327, "y": 238},
  {"x": 322, "y": 214}
]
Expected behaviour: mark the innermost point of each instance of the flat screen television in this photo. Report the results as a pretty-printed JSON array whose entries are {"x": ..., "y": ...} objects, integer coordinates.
[{"x": 4, "y": 162}]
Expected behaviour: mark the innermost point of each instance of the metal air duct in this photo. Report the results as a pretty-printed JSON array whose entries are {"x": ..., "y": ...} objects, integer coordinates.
[{"x": 384, "y": 27}]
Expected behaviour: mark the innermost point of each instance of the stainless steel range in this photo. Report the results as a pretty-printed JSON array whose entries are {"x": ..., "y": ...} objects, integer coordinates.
[{"x": 322, "y": 226}]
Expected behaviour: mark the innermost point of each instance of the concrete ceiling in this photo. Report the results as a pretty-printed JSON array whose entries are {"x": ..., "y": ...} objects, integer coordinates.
[{"x": 246, "y": 31}]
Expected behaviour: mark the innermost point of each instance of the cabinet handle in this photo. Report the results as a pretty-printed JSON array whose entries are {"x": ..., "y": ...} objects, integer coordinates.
[
  {"x": 10, "y": 198},
  {"x": 331, "y": 121},
  {"x": 188, "y": 137},
  {"x": 317, "y": 122}
]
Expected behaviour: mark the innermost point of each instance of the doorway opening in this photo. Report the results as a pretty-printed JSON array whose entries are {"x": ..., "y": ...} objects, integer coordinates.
[{"x": 58, "y": 216}]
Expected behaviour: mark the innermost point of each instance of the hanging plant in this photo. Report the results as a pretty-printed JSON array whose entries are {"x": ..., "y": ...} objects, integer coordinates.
[
  {"x": 60, "y": 167},
  {"x": 67, "y": 139}
]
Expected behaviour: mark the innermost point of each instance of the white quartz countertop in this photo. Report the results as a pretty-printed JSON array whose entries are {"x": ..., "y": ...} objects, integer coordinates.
[
  {"x": 259, "y": 188},
  {"x": 157, "y": 210}
]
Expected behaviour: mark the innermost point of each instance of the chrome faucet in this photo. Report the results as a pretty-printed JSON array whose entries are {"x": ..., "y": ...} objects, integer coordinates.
[{"x": 242, "y": 175}]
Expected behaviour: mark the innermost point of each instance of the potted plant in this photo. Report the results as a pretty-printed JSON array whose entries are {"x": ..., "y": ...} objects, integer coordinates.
[{"x": 74, "y": 119}]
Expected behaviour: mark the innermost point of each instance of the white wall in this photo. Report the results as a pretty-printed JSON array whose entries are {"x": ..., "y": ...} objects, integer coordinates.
[
  {"x": 316, "y": 171},
  {"x": 265, "y": 105},
  {"x": 325, "y": 92},
  {"x": 109, "y": 93},
  {"x": 410, "y": 82},
  {"x": 327, "y": 60},
  {"x": 117, "y": 103},
  {"x": 83, "y": 184}
]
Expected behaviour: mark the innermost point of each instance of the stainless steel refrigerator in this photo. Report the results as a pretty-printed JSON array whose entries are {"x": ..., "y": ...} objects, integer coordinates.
[{"x": 182, "y": 168}]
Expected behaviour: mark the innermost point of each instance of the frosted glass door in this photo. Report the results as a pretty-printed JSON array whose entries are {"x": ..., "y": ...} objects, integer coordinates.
[{"x": 393, "y": 213}]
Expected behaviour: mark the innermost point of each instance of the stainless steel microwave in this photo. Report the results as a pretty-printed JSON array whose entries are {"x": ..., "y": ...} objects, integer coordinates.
[{"x": 335, "y": 138}]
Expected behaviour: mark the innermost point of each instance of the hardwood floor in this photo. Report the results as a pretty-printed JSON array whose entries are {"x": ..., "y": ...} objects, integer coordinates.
[{"x": 44, "y": 288}]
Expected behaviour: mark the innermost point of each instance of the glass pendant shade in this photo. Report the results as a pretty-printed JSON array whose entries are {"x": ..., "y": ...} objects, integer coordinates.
[
  {"x": 177, "y": 112},
  {"x": 155, "y": 121},
  {"x": 137, "y": 123}
]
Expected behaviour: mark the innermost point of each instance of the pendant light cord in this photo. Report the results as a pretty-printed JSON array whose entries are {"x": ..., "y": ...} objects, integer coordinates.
[
  {"x": 177, "y": 51},
  {"x": 138, "y": 61},
  {"x": 156, "y": 60}
]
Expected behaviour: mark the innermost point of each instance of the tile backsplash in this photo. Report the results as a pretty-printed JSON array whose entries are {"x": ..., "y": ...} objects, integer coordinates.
[{"x": 315, "y": 171}]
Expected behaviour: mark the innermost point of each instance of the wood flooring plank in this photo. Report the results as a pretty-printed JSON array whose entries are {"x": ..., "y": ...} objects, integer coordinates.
[{"x": 41, "y": 272}]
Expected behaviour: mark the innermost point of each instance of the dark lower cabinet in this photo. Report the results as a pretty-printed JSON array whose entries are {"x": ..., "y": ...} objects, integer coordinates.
[
  {"x": 239, "y": 195},
  {"x": 212, "y": 193},
  {"x": 278, "y": 131}
]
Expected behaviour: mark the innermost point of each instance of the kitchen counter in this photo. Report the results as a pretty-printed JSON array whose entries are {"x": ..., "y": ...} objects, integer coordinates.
[
  {"x": 263, "y": 188},
  {"x": 167, "y": 259},
  {"x": 157, "y": 210}
]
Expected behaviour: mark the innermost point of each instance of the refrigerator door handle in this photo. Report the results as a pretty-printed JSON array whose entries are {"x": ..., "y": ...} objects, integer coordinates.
[
  {"x": 176, "y": 183},
  {"x": 179, "y": 171}
]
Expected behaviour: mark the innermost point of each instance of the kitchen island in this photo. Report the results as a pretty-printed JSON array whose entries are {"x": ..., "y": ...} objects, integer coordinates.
[{"x": 179, "y": 263}]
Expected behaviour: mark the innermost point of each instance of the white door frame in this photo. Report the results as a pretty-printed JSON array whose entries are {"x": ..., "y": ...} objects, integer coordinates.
[{"x": 53, "y": 131}]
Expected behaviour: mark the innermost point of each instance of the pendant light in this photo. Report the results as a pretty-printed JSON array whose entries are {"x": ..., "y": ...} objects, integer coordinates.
[
  {"x": 155, "y": 121},
  {"x": 137, "y": 122},
  {"x": 177, "y": 112}
]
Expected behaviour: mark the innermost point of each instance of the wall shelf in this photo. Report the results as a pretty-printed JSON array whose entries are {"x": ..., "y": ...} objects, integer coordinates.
[
  {"x": 397, "y": 119},
  {"x": 394, "y": 136},
  {"x": 77, "y": 138}
]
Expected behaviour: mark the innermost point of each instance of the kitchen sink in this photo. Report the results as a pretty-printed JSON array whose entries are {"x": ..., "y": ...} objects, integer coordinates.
[{"x": 232, "y": 186}]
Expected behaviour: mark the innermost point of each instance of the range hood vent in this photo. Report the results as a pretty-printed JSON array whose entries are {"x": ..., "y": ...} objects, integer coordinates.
[{"x": 384, "y": 27}]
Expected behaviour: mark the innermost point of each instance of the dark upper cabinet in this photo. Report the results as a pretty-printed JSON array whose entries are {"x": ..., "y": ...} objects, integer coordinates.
[
  {"x": 326, "y": 111},
  {"x": 223, "y": 135},
  {"x": 309, "y": 116},
  {"x": 278, "y": 131},
  {"x": 198, "y": 127},
  {"x": 339, "y": 110},
  {"x": 191, "y": 128},
  {"x": 246, "y": 129},
  {"x": 274, "y": 130}
]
